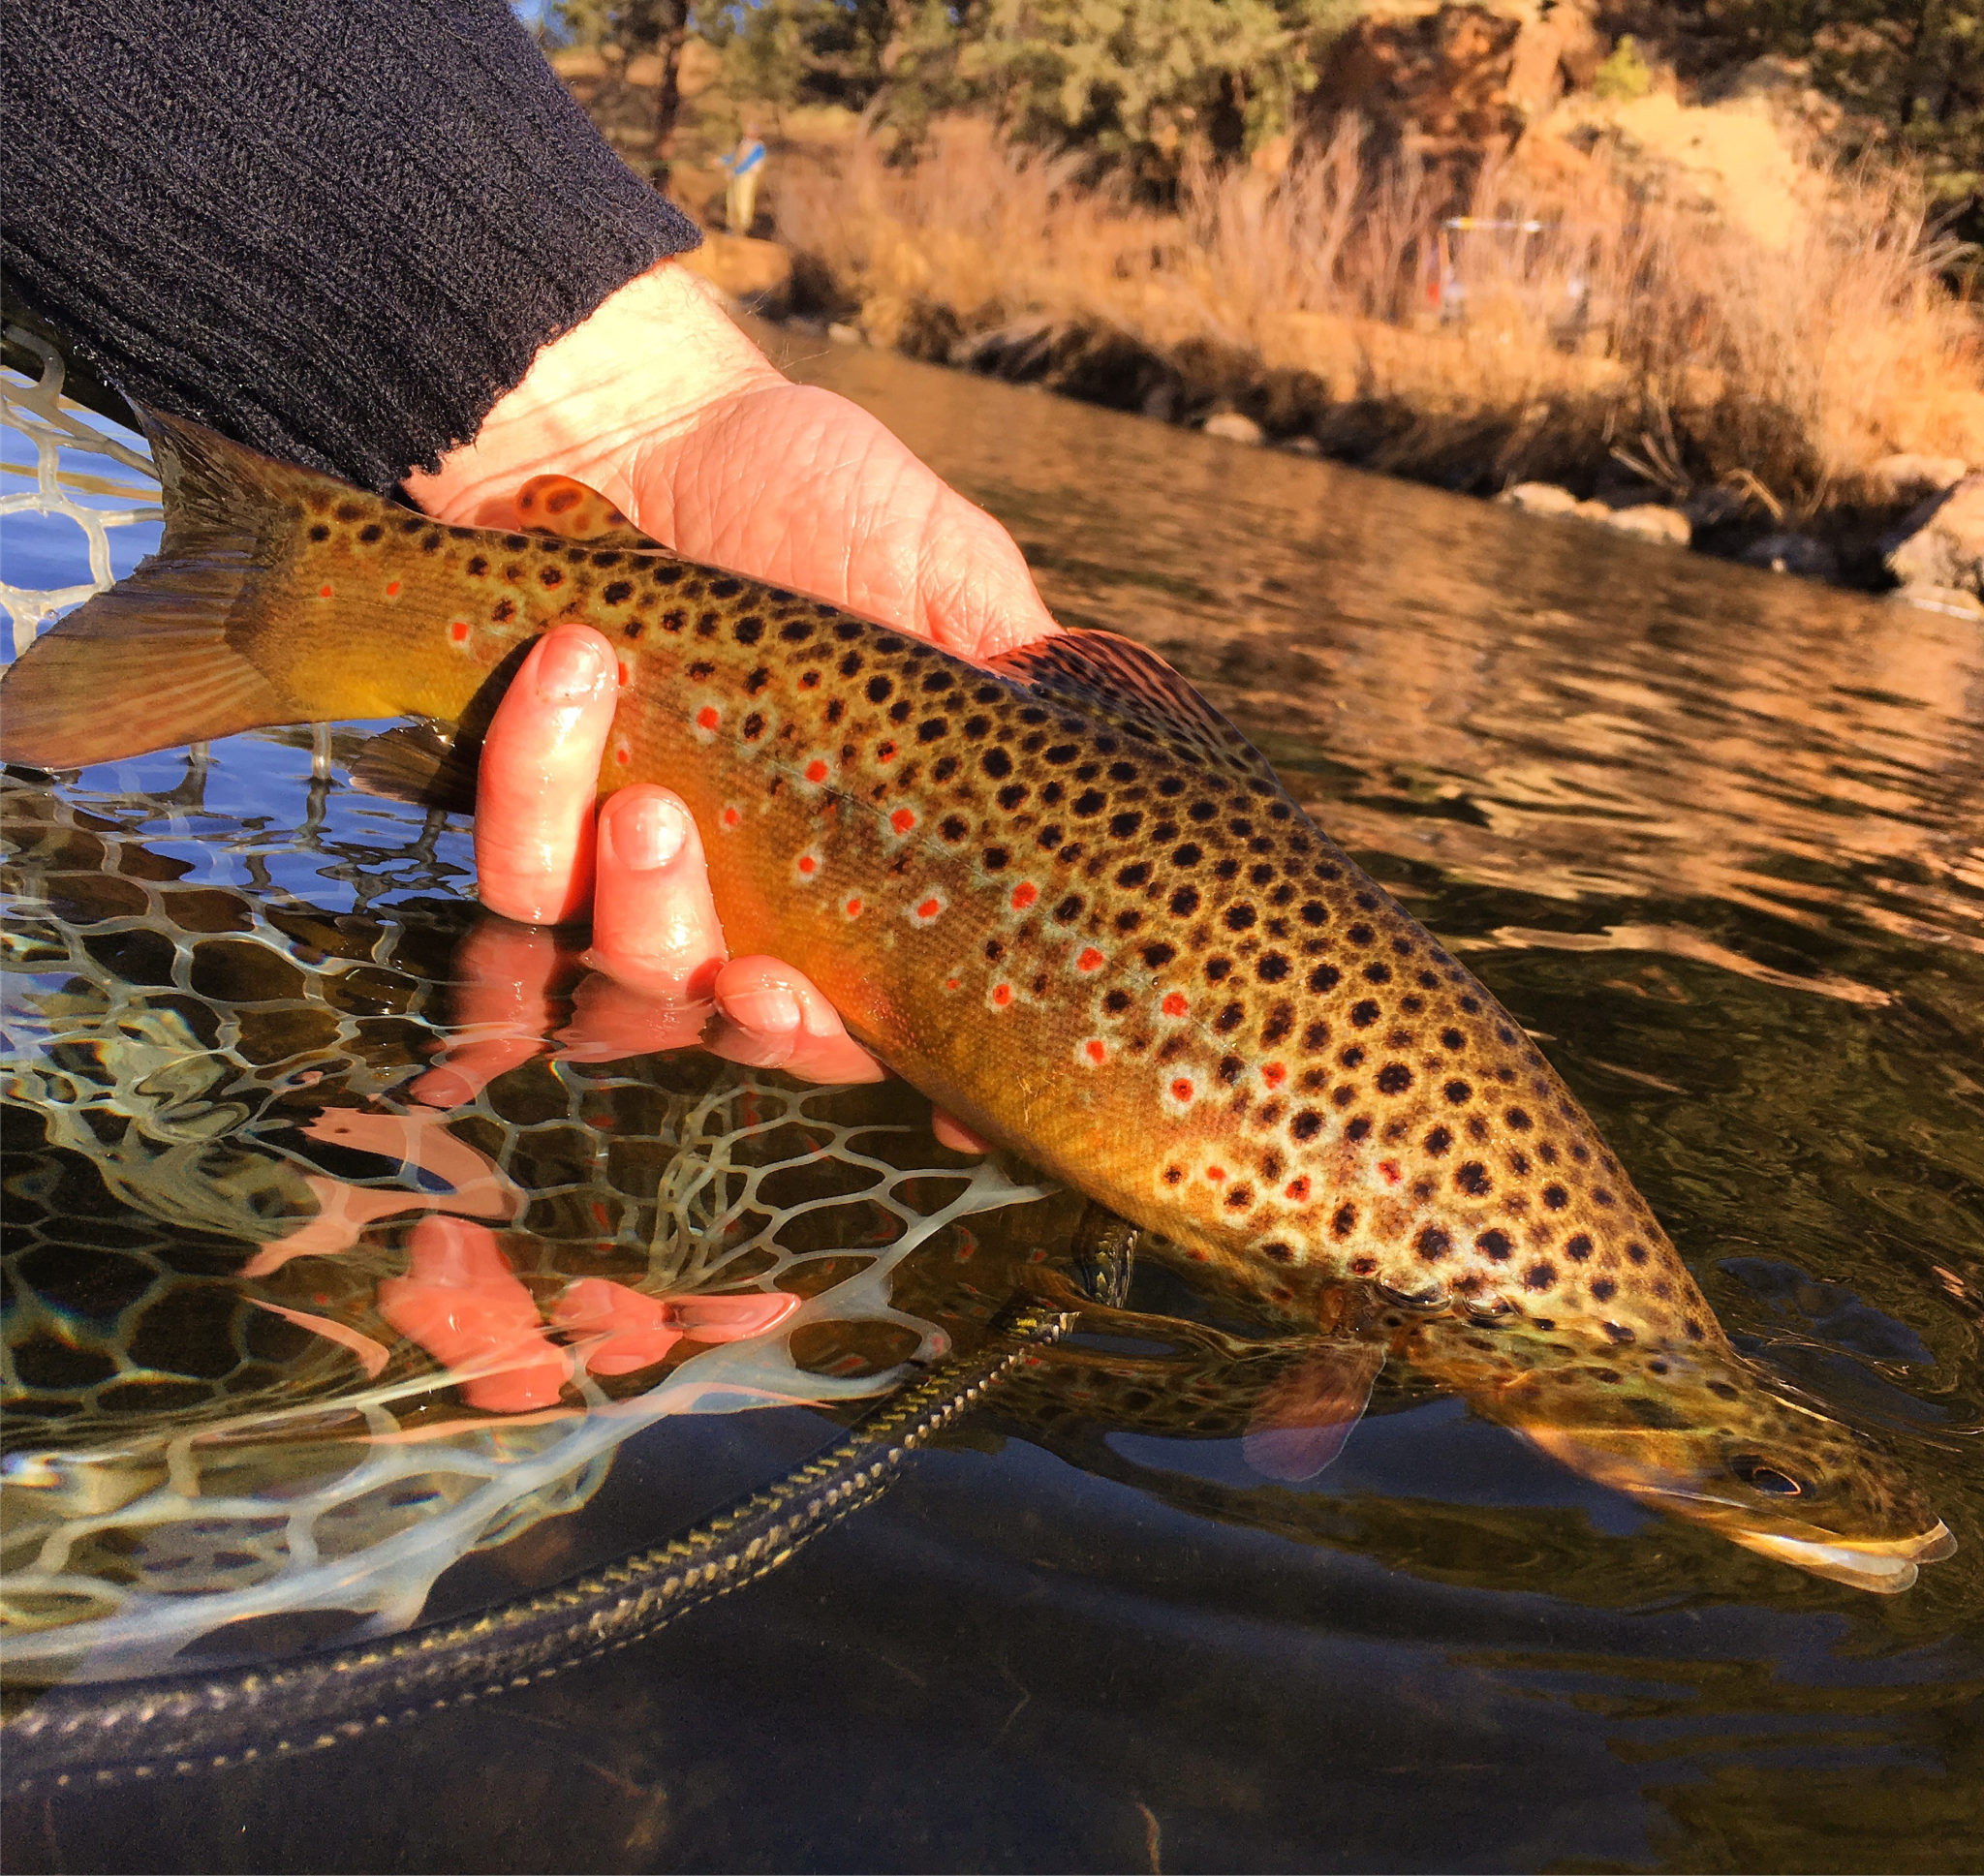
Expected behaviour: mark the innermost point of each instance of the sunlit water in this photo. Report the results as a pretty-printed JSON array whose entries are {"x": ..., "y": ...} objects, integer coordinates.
[{"x": 1717, "y": 838}]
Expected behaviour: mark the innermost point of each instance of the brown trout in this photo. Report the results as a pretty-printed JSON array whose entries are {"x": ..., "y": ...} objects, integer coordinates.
[{"x": 1059, "y": 894}]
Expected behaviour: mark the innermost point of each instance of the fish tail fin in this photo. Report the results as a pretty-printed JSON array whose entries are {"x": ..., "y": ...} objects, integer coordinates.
[{"x": 165, "y": 656}]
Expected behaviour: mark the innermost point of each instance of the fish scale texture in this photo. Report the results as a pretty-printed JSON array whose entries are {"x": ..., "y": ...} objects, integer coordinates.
[{"x": 337, "y": 232}]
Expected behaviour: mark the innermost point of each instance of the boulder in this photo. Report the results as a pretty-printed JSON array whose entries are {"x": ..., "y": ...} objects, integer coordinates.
[
  {"x": 757, "y": 274},
  {"x": 1942, "y": 543},
  {"x": 1649, "y": 520},
  {"x": 1233, "y": 427},
  {"x": 1539, "y": 498},
  {"x": 1793, "y": 553}
]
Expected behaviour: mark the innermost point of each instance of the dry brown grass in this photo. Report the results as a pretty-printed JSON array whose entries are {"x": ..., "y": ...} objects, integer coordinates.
[{"x": 1702, "y": 354}]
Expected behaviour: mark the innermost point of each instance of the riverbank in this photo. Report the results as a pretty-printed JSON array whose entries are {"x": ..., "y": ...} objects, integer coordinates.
[{"x": 1776, "y": 376}]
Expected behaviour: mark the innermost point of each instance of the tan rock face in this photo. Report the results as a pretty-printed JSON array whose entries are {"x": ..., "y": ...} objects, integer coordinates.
[
  {"x": 1941, "y": 543},
  {"x": 1460, "y": 82}
]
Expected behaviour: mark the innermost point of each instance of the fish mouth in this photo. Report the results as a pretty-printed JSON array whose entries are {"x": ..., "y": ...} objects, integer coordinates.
[{"x": 1884, "y": 1565}]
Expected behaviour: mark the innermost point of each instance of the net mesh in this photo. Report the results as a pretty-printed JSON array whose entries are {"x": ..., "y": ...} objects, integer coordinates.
[{"x": 220, "y": 973}]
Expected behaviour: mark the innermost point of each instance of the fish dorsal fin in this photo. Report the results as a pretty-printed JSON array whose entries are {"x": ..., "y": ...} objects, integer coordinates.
[
  {"x": 569, "y": 511},
  {"x": 1300, "y": 1423},
  {"x": 1131, "y": 686}
]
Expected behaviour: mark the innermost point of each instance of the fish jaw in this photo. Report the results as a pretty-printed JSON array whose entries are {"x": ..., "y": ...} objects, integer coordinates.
[{"x": 1885, "y": 1566}]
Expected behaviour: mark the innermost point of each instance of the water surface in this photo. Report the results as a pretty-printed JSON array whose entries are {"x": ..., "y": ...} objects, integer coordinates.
[{"x": 1716, "y": 838}]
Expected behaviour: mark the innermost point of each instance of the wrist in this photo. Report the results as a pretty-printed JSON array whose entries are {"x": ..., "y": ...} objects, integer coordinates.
[{"x": 650, "y": 363}]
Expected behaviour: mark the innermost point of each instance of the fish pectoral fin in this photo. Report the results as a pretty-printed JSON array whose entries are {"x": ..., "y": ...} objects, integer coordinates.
[
  {"x": 1130, "y": 685},
  {"x": 567, "y": 509},
  {"x": 420, "y": 763},
  {"x": 1300, "y": 1423}
]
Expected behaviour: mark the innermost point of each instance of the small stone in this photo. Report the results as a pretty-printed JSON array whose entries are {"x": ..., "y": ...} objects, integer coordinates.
[
  {"x": 1952, "y": 600},
  {"x": 842, "y": 334},
  {"x": 1233, "y": 427},
  {"x": 1302, "y": 445},
  {"x": 1650, "y": 521},
  {"x": 1539, "y": 498},
  {"x": 1793, "y": 553}
]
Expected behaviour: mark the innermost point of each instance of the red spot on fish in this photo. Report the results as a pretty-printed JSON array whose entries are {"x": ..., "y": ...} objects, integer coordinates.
[
  {"x": 625, "y": 676},
  {"x": 1297, "y": 1188},
  {"x": 392, "y": 589},
  {"x": 1216, "y": 1174},
  {"x": 1390, "y": 1169},
  {"x": 622, "y": 754},
  {"x": 1095, "y": 1051},
  {"x": 1089, "y": 960},
  {"x": 324, "y": 591},
  {"x": 885, "y": 753},
  {"x": 853, "y": 908},
  {"x": 1274, "y": 1074},
  {"x": 459, "y": 633},
  {"x": 1173, "y": 1004},
  {"x": 951, "y": 983},
  {"x": 1024, "y": 894},
  {"x": 1181, "y": 1090},
  {"x": 902, "y": 820},
  {"x": 808, "y": 864},
  {"x": 815, "y": 770},
  {"x": 706, "y": 717},
  {"x": 929, "y": 909},
  {"x": 732, "y": 818},
  {"x": 1002, "y": 994}
]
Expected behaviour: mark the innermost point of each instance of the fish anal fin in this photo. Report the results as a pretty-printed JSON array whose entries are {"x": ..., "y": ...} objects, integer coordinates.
[
  {"x": 1301, "y": 1422},
  {"x": 569, "y": 511},
  {"x": 1113, "y": 677},
  {"x": 419, "y": 763}
]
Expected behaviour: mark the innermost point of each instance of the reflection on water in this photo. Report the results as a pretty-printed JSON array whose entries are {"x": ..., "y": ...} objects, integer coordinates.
[{"x": 1715, "y": 839}]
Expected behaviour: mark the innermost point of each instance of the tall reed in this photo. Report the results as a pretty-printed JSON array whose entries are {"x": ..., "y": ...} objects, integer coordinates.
[{"x": 1622, "y": 327}]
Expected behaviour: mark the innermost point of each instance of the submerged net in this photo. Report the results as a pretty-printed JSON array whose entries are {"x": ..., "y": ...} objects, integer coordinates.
[{"x": 220, "y": 976}]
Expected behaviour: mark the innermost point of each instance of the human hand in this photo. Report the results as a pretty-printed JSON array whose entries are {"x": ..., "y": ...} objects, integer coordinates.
[{"x": 661, "y": 404}]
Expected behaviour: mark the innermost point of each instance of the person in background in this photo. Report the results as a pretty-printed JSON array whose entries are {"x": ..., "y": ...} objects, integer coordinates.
[
  {"x": 384, "y": 241},
  {"x": 746, "y": 164}
]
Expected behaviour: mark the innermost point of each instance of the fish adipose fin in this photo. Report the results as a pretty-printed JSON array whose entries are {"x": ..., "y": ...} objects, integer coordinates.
[
  {"x": 569, "y": 511},
  {"x": 420, "y": 763},
  {"x": 1132, "y": 688},
  {"x": 154, "y": 662}
]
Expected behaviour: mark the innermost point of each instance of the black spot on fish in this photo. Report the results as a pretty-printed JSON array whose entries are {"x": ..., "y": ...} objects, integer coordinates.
[
  {"x": 1539, "y": 1276},
  {"x": 1360, "y": 1128},
  {"x": 1134, "y": 875},
  {"x": 1637, "y": 1252},
  {"x": 1394, "y": 1078},
  {"x": 320, "y": 533},
  {"x": 1556, "y": 1197},
  {"x": 1218, "y": 970},
  {"x": 1307, "y": 1124},
  {"x": 1458, "y": 1093},
  {"x": 1155, "y": 956},
  {"x": 1364, "y": 1014},
  {"x": 618, "y": 592},
  {"x": 1123, "y": 826},
  {"x": 1239, "y": 917},
  {"x": 1271, "y": 968},
  {"x": 1494, "y": 1245},
  {"x": 1228, "y": 1019},
  {"x": 1472, "y": 1177},
  {"x": 1316, "y": 1036},
  {"x": 1433, "y": 1242},
  {"x": 1437, "y": 1140},
  {"x": 1324, "y": 977},
  {"x": 1377, "y": 973}
]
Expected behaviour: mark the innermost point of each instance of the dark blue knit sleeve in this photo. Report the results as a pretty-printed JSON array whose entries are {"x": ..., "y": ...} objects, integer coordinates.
[{"x": 336, "y": 232}]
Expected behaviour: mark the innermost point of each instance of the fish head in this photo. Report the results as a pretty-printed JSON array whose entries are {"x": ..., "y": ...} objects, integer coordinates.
[{"x": 1708, "y": 1436}]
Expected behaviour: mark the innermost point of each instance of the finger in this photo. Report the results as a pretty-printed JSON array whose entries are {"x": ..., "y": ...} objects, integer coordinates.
[
  {"x": 655, "y": 926},
  {"x": 771, "y": 1017},
  {"x": 952, "y": 1132},
  {"x": 507, "y": 978},
  {"x": 540, "y": 779}
]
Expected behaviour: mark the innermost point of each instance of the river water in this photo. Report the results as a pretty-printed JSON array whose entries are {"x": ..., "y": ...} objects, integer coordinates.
[{"x": 1717, "y": 838}]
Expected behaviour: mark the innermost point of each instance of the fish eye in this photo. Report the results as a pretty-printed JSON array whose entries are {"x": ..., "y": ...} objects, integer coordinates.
[{"x": 1760, "y": 1475}]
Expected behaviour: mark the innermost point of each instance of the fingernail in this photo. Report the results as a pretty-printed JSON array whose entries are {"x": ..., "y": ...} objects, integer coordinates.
[
  {"x": 648, "y": 835},
  {"x": 772, "y": 1011},
  {"x": 569, "y": 667}
]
